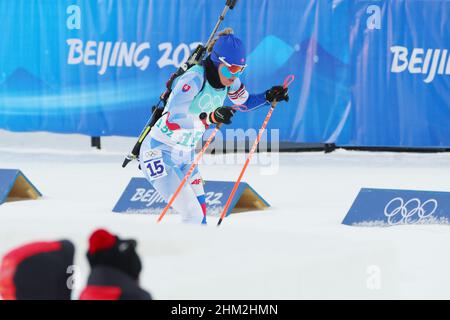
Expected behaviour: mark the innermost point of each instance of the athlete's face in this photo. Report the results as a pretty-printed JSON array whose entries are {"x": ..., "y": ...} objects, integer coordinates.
[{"x": 224, "y": 80}]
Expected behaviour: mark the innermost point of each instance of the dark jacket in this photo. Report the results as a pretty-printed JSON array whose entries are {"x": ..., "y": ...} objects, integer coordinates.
[
  {"x": 37, "y": 271},
  {"x": 107, "y": 283}
]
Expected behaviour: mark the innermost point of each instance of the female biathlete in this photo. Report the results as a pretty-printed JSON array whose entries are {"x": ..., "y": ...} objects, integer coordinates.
[{"x": 195, "y": 103}]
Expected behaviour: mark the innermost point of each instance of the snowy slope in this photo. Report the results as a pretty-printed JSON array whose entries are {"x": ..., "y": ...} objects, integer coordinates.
[{"x": 297, "y": 249}]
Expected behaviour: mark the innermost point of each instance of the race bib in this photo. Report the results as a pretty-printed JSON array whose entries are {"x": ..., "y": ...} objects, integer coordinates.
[{"x": 154, "y": 164}]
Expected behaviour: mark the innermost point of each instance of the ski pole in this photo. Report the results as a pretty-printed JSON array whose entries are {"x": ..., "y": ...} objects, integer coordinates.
[
  {"x": 287, "y": 82},
  {"x": 241, "y": 108}
]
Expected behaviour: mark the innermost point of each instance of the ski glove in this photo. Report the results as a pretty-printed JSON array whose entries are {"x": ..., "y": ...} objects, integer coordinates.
[
  {"x": 220, "y": 115},
  {"x": 277, "y": 93}
]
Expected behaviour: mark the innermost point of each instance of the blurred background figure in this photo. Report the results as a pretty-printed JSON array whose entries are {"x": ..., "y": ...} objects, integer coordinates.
[
  {"x": 115, "y": 269},
  {"x": 37, "y": 271}
]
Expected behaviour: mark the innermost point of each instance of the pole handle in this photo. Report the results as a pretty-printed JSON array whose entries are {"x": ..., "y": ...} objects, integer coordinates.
[{"x": 289, "y": 79}]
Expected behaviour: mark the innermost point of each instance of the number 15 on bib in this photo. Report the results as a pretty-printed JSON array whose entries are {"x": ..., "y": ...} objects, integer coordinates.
[{"x": 155, "y": 167}]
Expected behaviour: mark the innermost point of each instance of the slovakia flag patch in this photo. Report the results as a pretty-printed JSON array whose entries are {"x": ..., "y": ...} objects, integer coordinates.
[{"x": 186, "y": 88}]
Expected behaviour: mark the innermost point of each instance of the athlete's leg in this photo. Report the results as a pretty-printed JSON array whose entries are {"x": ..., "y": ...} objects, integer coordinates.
[
  {"x": 196, "y": 183},
  {"x": 164, "y": 172}
]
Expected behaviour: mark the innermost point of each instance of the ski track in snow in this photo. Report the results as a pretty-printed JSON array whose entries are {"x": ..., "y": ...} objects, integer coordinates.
[{"x": 298, "y": 249}]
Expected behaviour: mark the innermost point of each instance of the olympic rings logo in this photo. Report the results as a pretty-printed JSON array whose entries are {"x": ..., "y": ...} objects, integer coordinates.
[
  {"x": 209, "y": 103},
  {"x": 411, "y": 212}
]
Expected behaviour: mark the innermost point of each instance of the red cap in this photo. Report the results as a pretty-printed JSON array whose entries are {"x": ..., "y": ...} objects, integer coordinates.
[{"x": 101, "y": 240}]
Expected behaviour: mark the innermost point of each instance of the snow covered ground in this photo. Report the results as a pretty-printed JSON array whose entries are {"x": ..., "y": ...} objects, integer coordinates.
[{"x": 298, "y": 249}]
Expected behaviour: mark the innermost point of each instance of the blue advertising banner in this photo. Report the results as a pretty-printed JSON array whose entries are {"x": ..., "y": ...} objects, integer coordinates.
[
  {"x": 384, "y": 208},
  {"x": 140, "y": 197},
  {"x": 369, "y": 73},
  {"x": 400, "y": 74}
]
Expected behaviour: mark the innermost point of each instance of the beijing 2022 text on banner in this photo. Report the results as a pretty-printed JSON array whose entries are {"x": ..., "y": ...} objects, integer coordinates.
[{"x": 369, "y": 73}]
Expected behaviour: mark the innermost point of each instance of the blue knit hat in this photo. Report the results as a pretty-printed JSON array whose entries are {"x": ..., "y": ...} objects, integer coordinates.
[{"x": 231, "y": 49}]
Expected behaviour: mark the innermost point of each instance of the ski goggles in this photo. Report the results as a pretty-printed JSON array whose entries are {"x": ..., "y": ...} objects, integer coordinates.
[{"x": 231, "y": 70}]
